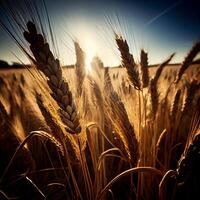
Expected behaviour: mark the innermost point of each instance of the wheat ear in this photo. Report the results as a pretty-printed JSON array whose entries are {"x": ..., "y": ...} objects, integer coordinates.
[
  {"x": 144, "y": 68},
  {"x": 120, "y": 118},
  {"x": 79, "y": 68},
  {"x": 45, "y": 61},
  {"x": 161, "y": 67},
  {"x": 3, "y": 114},
  {"x": 194, "y": 86},
  {"x": 154, "y": 97},
  {"x": 56, "y": 130},
  {"x": 188, "y": 61},
  {"x": 175, "y": 105},
  {"x": 153, "y": 86},
  {"x": 128, "y": 62},
  {"x": 116, "y": 113},
  {"x": 107, "y": 80}
]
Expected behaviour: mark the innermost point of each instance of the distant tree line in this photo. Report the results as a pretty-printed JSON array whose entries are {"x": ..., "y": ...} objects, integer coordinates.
[
  {"x": 16, "y": 65},
  {"x": 6, "y": 65}
]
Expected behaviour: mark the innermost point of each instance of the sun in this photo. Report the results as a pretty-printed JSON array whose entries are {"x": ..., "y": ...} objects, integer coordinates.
[{"x": 90, "y": 52}]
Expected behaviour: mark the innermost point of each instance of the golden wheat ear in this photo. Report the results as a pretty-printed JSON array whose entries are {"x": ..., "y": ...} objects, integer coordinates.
[
  {"x": 154, "y": 97},
  {"x": 188, "y": 61},
  {"x": 79, "y": 68},
  {"x": 161, "y": 67},
  {"x": 193, "y": 88},
  {"x": 175, "y": 105},
  {"x": 144, "y": 68},
  {"x": 128, "y": 62},
  {"x": 119, "y": 114},
  {"x": 50, "y": 66},
  {"x": 3, "y": 114}
]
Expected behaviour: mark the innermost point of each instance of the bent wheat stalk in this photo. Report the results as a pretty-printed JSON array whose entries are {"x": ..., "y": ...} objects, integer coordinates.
[
  {"x": 127, "y": 172},
  {"x": 21, "y": 145}
]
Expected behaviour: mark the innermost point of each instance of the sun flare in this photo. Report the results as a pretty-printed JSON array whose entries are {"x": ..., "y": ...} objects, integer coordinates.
[{"x": 90, "y": 51}]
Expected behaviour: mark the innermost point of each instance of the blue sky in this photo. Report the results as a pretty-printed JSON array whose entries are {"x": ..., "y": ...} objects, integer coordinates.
[{"x": 160, "y": 27}]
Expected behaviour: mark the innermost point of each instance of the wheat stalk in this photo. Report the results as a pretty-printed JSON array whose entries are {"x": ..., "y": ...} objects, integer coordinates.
[{"x": 45, "y": 61}]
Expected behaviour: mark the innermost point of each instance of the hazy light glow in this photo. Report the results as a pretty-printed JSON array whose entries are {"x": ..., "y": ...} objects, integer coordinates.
[
  {"x": 94, "y": 37},
  {"x": 88, "y": 45},
  {"x": 89, "y": 56}
]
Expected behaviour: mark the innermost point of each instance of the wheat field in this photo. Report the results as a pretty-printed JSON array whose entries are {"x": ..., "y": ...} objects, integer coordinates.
[{"x": 128, "y": 132}]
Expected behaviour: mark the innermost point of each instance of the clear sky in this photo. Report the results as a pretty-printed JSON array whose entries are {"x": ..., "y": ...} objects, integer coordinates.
[{"x": 161, "y": 27}]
